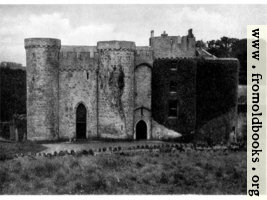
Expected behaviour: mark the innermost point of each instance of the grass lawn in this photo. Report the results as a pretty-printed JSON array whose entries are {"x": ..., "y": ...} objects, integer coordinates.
[
  {"x": 190, "y": 172},
  {"x": 10, "y": 149}
]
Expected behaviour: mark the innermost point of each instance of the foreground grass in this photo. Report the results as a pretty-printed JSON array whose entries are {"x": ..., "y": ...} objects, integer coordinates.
[
  {"x": 135, "y": 173},
  {"x": 10, "y": 149}
]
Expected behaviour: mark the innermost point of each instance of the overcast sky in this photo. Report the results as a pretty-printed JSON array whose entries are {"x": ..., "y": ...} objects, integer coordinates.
[{"x": 87, "y": 24}]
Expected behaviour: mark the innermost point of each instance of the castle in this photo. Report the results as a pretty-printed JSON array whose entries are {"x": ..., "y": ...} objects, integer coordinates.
[{"x": 122, "y": 91}]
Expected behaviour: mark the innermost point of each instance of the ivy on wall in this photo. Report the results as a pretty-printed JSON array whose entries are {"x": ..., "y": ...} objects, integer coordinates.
[
  {"x": 217, "y": 82},
  {"x": 206, "y": 90}
]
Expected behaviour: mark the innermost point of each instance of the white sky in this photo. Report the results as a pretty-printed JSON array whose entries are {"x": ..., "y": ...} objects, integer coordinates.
[{"x": 87, "y": 24}]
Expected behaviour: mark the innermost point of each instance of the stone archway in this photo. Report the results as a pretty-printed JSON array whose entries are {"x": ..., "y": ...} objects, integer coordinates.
[
  {"x": 81, "y": 121},
  {"x": 141, "y": 130}
]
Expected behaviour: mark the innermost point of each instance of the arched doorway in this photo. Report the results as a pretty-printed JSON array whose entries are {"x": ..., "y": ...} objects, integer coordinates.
[
  {"x": 141, "y": 130},
  {"x": 81, "y": 122}
]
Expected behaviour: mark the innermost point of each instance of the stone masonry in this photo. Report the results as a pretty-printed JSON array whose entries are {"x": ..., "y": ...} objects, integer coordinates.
[{"x": 112, "y": 82}]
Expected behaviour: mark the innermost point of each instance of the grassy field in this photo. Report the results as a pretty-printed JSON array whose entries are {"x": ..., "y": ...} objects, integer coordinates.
[
  {"x": 8, "y": 150},
  {"x": 190, "y": 172}
]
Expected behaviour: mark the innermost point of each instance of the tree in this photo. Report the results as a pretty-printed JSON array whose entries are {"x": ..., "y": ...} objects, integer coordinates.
[
  {"x": 12, "y": 91},
  {"x": 231, "y": 47},
  {"x": 201, "y": 44}
]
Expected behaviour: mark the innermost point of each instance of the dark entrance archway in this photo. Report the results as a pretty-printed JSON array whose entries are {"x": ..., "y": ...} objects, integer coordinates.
[
  {"x": 141, "y": 130},
  {"x": 81, "y": 122}
]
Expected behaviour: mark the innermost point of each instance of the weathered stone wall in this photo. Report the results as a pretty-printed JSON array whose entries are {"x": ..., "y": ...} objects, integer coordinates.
[
  {"x": 77, "y": 84},
  {"x": 116, "y": 89},
  {"x": 143, "y": 76},
  {"x": 143, "y": 55},
  {"x": 42, "y": 60},
  {"x": 173, "y": 46}
]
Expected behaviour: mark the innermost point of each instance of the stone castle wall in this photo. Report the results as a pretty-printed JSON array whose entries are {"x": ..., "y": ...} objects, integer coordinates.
[
  {"x": 116, "y": 89},
  {"x": 120, "y": 84},
  {"x": 42, "y": 58},
  {"x": 142, "y": 95},
  {"x": 173, "y": 46},
  {"x": 77, "y": 84}
]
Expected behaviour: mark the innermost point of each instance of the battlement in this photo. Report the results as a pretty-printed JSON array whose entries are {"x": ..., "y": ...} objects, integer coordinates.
[
  {"x": 116, "y": 45},
  {"x": 143, "y": 50},
  {"x": 77, "y": 58},
  {"x": 144, "y": 54},
  {"x": 78, "y": 52},
  {"x": 42, "y": 43}
]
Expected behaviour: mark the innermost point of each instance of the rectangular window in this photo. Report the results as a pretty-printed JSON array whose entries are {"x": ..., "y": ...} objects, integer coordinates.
[
  {"x": 172, "y": 108},
  {"x": 173, "y": 86},
  {"x": 173, "y": 66}
]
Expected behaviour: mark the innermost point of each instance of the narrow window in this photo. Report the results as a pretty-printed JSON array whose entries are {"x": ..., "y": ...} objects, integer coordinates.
[{"x": 87, "y": 75}]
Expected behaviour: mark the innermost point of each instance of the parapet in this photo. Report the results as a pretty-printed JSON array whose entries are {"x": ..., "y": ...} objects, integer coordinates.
[
  {"x": 42, "y": 43},
  {"x": 144, "y": 54},
  {"x": 78, "y": 52},
  {"x": 116, "y": 45},
  {"x": 73, "y": 58}
]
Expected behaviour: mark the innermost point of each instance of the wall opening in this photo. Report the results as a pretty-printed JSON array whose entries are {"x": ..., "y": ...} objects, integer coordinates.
[
  {"x": 173, "y": 86},
  {"x": 81, "y": 122},
  {"x": 141, "y": 130},
  {"x": 172, "y": 108}
]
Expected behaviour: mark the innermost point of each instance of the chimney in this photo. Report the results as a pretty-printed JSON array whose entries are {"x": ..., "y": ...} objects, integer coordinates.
[
  {"x": 190, "y": 33},
  {"x": 152, "y": 33}
]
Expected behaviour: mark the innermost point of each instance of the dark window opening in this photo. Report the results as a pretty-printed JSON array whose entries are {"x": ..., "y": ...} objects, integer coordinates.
[
  {"x": 173, "y": 67},
  {"x": 81, "y": 122},
  {"x": 173, "y": 86},
  {"x": 87, "y": 75},
  {"x": 173, "y": 108}
]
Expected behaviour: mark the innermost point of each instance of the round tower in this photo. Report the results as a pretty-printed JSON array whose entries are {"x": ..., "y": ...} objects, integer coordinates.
[
  {"x": 116, "y": 89},
  {"x": 42, "y": 61}
]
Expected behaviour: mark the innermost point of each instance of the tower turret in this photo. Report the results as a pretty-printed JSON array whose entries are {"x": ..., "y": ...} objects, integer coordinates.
[
  {"x": 42, "y": 60},
  {"x": 116, "y": 88}
]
